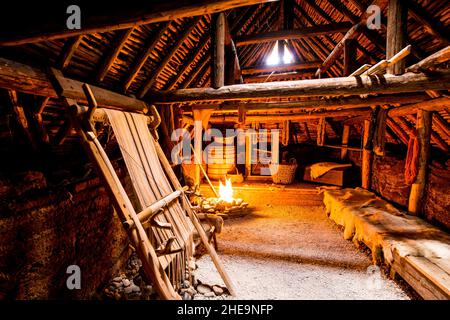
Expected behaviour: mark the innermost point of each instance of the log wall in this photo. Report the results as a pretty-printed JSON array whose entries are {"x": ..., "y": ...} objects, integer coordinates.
[
  {"x": 53, "y": 213},
  {"x": 388, "y": 181}
]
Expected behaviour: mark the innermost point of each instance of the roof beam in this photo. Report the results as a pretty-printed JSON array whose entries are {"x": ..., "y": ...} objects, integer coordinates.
[
  {"x": 112, "y": 55},
  {"x": 31, "y": 80},
  {"x": 293, "y": 34},
  {"x": 143, "y": 56},
  {"x": 293, "y": 117},
  {"x": 68, "y": 51},
  {"x": 427, "y": 105},
  {"x": 280, "y": 68},
  {"x": 408, "y": 82},
  {"x": 168, "y": 56},
  {"x": 115, "y": 16}
]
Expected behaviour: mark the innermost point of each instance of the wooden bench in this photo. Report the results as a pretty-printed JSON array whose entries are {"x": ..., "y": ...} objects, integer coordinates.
[{"x": 416, "y": 250}]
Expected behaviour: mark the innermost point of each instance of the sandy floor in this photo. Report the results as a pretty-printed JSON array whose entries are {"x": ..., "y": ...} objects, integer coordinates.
[{"x": 292, "y": 252}]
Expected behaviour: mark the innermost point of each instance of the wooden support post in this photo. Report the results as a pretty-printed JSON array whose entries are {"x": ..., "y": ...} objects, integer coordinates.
[
  {"x": 349, "y": 56},
  {"x": 201, "y": 119},
  {"x": 321, "y": 127},
  {"x": 379, "y": 136},
  {"x": 396, "y": 33},
  {"x": 366, "y": 157},
  {"x": 345, "y": 137},
  {"x": 218, "y": 47},
  {"x": 416, "y": 197}
]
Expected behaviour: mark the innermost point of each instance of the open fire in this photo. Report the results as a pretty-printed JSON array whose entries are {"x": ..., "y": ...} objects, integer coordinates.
[
  {"x": 225, "y": 203},
  {"x": 226, "y": 191}
]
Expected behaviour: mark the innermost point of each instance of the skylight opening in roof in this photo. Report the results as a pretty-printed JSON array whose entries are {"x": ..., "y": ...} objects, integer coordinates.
[{"x": 274, "y": 59}]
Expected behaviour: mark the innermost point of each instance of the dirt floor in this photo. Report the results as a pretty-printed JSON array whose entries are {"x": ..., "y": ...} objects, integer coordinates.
[{"x": 294, "y": 252}]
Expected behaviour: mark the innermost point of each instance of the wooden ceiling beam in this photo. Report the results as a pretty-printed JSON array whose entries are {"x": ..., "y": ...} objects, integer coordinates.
[
  {"x": 436, "y": 104},
  {"x": 68, "y": 51},
  {"x": 115, "y": 16},
  {"x": 112, "y": 55},
  {"x": 168, "y": 56},
  {"x": 32, "y": 80},
  {"x": 278, "y": 76},
  {"x": 386, "y": 84},
  {"x": 329, "y": 19},
  {"x": 143, "y": 56},
  {"x": 193, "y": 56},
  {"x": 420, "y": 15},
  {"x": 280, "y": 68},
  {"x": 292, "y": 116},
  {"x": 328, "y": 104},
  {"x": 293, "y": 34}
]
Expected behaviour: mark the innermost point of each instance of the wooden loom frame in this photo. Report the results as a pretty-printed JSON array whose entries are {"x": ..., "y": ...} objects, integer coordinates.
[{"x": 81, "y": 122}]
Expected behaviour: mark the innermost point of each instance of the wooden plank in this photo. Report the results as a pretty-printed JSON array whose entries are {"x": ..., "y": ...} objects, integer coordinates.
[
  {"x": 411, "y": 269},
  {"x": 306, "y": 32}
]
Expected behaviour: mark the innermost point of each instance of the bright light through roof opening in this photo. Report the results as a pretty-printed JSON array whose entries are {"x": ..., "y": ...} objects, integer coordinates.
[{"x": 273, "y": 59}]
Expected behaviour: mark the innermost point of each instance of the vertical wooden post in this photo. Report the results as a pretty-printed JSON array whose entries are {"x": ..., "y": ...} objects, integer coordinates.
[
  {"x": 349, "y": 56},
  {"x": 396, "y": 33},
  {"x": 321, "y": 127},
  {"x": 416, "y": 197},
  {"x": 366, "y": 158},
  {"x": 198, "y": 149},
  {"x": 345, "y": 137},
  {"x": 218, "y": 35}
]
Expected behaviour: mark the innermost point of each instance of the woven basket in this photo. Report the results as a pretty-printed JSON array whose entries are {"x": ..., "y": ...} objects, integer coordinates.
[{"x": 283, "y": 173}]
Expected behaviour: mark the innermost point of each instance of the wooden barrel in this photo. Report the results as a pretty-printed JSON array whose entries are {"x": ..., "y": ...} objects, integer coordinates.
[{"x": 221, "y": 161}]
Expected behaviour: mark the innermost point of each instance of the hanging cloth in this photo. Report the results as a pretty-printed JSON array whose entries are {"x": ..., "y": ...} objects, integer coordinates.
[{"x": 412, "y": 158}]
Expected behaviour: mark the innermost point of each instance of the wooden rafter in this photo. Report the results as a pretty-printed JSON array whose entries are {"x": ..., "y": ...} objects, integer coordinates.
[
  {"x": 143, "y": 56},
  {"x": 68, "y": 51},
  {"x": 116, "y": 17},
  {"x": 292, "y": 34},
  {"x": 168, "y": 56},
  {"x": 112, "y": 55},
  {"x": 408, "y": 82}
]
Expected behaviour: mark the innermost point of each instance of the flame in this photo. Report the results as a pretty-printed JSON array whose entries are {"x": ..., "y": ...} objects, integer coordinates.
[{"x": 226, "y": 191}]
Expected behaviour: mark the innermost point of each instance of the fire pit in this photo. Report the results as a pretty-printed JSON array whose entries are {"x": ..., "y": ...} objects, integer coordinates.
[{"x": 225, "y": 204}]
